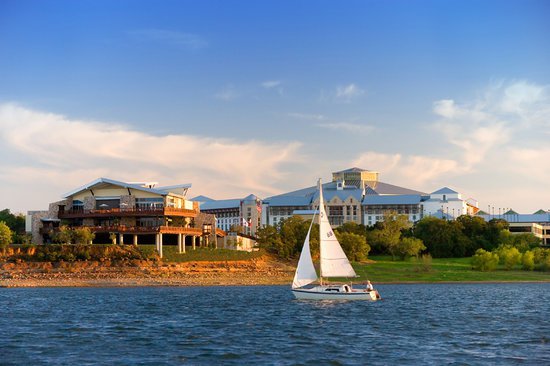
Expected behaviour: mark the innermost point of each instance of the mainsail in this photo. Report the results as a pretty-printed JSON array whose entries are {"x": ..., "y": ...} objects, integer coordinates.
[
  {"x": 305, "y": 272},
  {"x": 334, "y": 262}
]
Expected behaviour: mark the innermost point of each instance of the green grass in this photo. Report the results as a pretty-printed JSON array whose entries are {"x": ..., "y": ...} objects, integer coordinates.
[
  {"x": 384, "y": 269},
  {"x": 170, "y": 254}
]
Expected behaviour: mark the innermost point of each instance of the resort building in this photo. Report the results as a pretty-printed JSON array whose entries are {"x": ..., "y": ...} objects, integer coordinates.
[
  {"x": 234, "y": 214},
  {"x": 128, "y": 213},
  {"x": 537, "y": 224},
  {"x": 357, "y": 195}
]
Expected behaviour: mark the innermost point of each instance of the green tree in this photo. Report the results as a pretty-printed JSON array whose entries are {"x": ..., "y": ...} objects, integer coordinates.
[
  {"x": 63, "y": 236},
  {"x": 387, "y": 233},
  {"x": 443, "y": 238},
  {"x": 509, "y": 256},
  {"x": 475, "y": 229},
  {"x": 484, "y": 261},
  {"x": 5, "y": 235},
  {"x": 493, "y": 233},
  {"x": 354, "y": 245},
  {"x": 409, "y": 247},
  {"x": 83, "y": 235},
  {"x": 523, "y": 241},
  {"x": 528, "y": 261},
  {"x": 352, "y": 227}
]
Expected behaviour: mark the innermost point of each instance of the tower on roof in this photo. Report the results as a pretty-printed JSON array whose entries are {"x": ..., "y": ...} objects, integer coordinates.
[{"x": 356, "y": 177}]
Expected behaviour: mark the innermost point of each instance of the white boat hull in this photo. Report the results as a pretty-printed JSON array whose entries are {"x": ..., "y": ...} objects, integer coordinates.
[{"x": 334, "y": 293}]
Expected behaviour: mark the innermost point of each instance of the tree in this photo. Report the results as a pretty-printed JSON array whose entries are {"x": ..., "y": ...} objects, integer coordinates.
[
  {"x": 63, "y": 236},
  {"x": 352, "y": 227},
  {"x": 528, "y": 261},
  {"x": 5, "y": 235},
  {"x": 509, "y": 256},
  {"x": 354, "y": 245},
  {"x": 387, "y": 233},
  {"x": 494, "y": 232},
  {"x": 484, "y": 260},
  {"x": 443, "y": 238},
  {"x": 83, "y": 235},
  {"x": 409, "y": 247}
]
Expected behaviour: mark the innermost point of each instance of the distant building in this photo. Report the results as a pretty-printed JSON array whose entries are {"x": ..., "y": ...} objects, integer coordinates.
[
  {"x": 537, "y": 224},
  {"x": 357, "y": 195},
  {"x": 132, "y": 213},
  {"x": 232, "y": 213}
]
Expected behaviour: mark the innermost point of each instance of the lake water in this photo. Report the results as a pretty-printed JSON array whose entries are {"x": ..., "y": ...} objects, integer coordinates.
[{"x": 485, "y": 324}]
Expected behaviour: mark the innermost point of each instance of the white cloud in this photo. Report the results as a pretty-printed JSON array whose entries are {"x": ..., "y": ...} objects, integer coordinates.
[
  {"x": 306, "y": 116},
  {"x": 348, "y": 127},
  {"x": 174, "y": 38},
  {"x": 271, "y": 84},
  {"x": 227, "y": 94},
  {"x": 348, "y": 92},
  {"x": 410, "y": 171},
  {"x": 63, "y": 153}
]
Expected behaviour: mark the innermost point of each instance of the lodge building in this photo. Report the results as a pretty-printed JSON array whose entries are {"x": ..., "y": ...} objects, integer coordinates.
[{"x": 129, "y": 213}]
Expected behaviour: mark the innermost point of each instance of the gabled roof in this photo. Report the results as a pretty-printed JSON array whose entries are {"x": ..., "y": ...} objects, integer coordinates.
[
  {"x": 445, "y": 190},
  {"x": 220, "y": 204},
  {"x": 353, "y": 170},
  {"x": 101, "y": 182},
  {"x": 541, "y": 211}
]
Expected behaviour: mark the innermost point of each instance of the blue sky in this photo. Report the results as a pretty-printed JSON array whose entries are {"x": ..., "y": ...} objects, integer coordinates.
[{"x": 263, "y": 97}]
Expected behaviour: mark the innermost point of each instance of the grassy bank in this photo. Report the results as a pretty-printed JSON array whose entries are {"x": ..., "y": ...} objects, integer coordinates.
[
  {"x": 384, "y": 269},
  {"x": 170, "y": 254}
]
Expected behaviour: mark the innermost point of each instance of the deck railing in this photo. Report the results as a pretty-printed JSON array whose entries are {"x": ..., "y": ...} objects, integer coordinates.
[{"x": 122, "y": 212}]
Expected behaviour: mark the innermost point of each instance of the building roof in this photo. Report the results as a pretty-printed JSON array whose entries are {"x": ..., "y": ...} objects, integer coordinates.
[
  {"x": 102, "y": 182},
  {"x": 445, "y": 190},
  {"x": 220, "y": 204},
  {"x": 405, "y": 199},
  {"x": 284, "y": 200},
  {"x": 353, "y": 170},
  {"x": 520, "y": 218}
]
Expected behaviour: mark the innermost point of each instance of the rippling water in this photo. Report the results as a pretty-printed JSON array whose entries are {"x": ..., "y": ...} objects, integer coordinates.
[{"x": 414, "y": 324}]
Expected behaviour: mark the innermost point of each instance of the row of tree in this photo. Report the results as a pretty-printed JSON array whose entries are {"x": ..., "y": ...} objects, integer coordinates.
[
  {"x": 511, "y": 257},
  {"x": 396, "y": 236},
  {"x": 16, "y": 225}
]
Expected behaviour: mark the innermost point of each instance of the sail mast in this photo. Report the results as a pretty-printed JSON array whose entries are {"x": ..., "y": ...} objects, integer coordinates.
[{"x": 321, "y": 204}]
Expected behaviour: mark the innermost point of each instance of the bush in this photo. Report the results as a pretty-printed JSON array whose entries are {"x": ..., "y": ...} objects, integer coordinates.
[
  {"x": 409, "y": 247},
  {"x": 528, "y": 261},
  {"x": 509, "y": 256},
  {"x": 5, "y": 235},
  {"x": 484, "y": 261}
]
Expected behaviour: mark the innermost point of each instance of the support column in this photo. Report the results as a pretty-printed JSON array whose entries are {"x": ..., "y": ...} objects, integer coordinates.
[
  {"x": 135, "y": 240},
  {"x": 121, "y": 239},
  {"x": 160, "y": 245},
  {"x": 194, "y": 242},
  {"x": 183, "y": 236},
  {"x": 179, "y": 243},
  {"x": 157, "y": 245}
]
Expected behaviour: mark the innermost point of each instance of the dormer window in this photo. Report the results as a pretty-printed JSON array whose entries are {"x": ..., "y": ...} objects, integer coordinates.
[{"x": 444, "y": 197}]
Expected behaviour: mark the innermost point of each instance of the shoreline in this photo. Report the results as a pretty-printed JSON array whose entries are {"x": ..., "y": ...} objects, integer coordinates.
[{"x": 263, "y": 271}]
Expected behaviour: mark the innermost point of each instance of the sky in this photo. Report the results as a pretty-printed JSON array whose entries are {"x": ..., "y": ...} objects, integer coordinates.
[{"x": 264, "y": 97}]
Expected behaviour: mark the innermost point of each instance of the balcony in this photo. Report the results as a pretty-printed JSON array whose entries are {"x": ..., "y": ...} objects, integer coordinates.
[
  {"x": 146, "y": 229},
  {"x": 127, "y": 212}
]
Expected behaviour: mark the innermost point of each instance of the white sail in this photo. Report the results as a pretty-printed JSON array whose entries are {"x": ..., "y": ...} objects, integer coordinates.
[
  {"x": 305, "y": 272},
  {"x": 334, "y": 262}
]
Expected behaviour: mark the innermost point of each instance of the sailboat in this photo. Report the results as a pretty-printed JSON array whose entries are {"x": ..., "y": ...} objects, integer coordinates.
[{"x": 333, "y": 263}]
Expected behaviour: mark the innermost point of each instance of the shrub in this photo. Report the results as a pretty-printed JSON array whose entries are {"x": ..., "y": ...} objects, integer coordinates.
[
  {"x": 425, "y": 264},
  {"x": 528, "y": 261},
  {"x": 484, "y": 260},
  {"x": 409, "y": 247},
  {"x": 5, "y": 235},
  {"x": 510, "y": 257}
]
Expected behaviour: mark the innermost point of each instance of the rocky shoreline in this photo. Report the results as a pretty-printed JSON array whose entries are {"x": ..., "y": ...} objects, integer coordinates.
[{"x": 144, "y": 273}]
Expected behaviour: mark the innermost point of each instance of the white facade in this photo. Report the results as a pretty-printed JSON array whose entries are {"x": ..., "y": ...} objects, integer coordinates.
[{"x": 448, "y": 203}]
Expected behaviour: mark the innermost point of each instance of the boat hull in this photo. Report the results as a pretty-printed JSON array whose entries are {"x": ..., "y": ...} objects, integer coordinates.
[{"x": 329, "y": 293}]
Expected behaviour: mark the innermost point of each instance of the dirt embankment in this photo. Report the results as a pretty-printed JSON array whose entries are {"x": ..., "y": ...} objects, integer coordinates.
[{"x": 259, "y": 271}]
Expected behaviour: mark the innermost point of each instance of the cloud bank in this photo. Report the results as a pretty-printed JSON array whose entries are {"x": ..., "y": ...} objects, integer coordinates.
[{"x": 53, "y": 153}]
